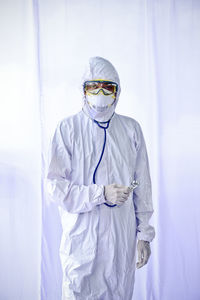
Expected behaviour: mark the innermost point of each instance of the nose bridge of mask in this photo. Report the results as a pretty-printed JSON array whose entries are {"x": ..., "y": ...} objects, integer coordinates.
[
  {"x": 100, "y": 91},
  {"x": 103, "y": 91}
]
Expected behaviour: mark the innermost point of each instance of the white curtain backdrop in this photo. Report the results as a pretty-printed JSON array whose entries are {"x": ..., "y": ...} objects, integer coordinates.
[
  {"x": 155, "y": 46},
  {"x": 20, "y": 155}
]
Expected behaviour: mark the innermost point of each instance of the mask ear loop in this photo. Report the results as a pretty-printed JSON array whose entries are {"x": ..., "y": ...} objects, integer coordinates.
[{"x": 104, "y": 144}]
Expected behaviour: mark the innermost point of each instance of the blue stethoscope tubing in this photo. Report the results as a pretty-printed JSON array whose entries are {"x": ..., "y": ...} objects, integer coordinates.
[{"x": 102, "y": 152}]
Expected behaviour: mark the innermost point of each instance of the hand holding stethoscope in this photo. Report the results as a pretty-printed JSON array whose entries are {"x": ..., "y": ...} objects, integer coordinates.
[{"x": 117, "y": 194}]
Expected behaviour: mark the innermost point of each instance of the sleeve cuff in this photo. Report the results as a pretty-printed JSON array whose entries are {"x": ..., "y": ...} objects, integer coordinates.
[
  {"x": 146, "y": 236},
  {"x": 99, "y": 195}
]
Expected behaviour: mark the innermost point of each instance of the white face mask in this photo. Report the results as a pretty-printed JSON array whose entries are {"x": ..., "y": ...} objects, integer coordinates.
[{"x": 100, "y": 102}]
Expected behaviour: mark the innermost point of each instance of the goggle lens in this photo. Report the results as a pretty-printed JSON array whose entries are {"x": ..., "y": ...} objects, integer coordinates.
[{"x": 93, "y": 87}]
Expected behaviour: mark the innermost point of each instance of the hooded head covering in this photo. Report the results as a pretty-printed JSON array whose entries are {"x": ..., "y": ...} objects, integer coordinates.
[{"x": 100, "y": 68}]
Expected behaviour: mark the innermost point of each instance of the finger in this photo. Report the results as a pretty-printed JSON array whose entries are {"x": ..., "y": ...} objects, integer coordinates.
[
  {"x": 122, "y": 195},
  {"x": 119, "y": 186},
  {"x": 139, "y": 265},
  {"x": 126, "y": 193},
  {"x": 126, "y": 190},
  {"x": 123, "y": 199},
  {"x": 139, "y": 259},
  {"x": 147, "y": 252},
  {"x": 139, "y": 256},
  {"x": 145, "y": 257},
  {"x": 120, "y": 201},
  {"x": 130, "y": 190},
  {"x": 145, "y": 260}
]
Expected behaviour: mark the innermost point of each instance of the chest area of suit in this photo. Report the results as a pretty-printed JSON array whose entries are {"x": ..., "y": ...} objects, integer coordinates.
[{"x": 114, "y": 146}]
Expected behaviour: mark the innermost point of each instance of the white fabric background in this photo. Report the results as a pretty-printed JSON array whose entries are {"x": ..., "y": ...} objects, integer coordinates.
[
  {"x": 20, "y": 155},
  {"x": 155, "y": 47}
]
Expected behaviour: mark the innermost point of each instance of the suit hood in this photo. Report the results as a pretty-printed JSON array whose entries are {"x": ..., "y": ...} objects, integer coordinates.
[{"x": 100, "y": 68}]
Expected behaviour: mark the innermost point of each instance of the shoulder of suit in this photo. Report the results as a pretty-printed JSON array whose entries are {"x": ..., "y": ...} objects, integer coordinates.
[
  {"x": 69, "y": 121},
  {"x": 128, "y": 120}
]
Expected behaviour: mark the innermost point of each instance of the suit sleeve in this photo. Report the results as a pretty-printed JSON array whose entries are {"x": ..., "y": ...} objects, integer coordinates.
[
  {"x": 142, "y": 195},
  {"x": 70, "y": 196}
]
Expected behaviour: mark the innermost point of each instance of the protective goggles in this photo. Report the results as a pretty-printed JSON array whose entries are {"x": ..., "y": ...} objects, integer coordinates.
[{"x": 94, "y": 87}]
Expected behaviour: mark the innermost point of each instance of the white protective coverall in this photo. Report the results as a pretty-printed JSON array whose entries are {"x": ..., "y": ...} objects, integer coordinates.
[{"x": 98, "y": 243}]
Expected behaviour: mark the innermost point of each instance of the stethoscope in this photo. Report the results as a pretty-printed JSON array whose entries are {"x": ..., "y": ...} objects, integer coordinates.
[
  {"x": 134, "y": 183},
  {"x": 102, "y": 152}
]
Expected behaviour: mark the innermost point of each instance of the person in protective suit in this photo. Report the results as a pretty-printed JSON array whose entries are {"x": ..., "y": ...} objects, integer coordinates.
[{"x": 99, "y": 177}]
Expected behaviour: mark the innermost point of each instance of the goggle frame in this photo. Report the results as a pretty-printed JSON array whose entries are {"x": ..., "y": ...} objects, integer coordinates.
[{"x": 101, "y": 89}]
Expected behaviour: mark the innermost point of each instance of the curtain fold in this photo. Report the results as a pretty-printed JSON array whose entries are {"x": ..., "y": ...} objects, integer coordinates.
[{"x": 20, "y": 155}]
